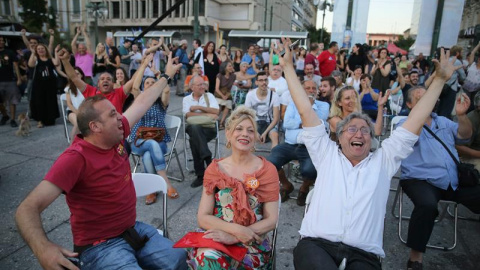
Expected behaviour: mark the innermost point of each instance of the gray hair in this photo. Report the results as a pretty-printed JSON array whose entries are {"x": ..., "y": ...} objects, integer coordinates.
[
  {"x": 190, "y": 83},
  {"x": 243, "y": 64},
  {"x": 349, "y": 118},
  {"x": 410, "y": 92}
]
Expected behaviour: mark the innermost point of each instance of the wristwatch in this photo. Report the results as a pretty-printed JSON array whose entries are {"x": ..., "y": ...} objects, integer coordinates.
[{"x": 169, "y": 80}]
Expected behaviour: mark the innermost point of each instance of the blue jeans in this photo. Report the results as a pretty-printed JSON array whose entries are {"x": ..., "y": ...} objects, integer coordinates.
[
  {"x": 152, "y": 153},
  {"x": 116, "y": 253},
  {"x": 285, "y": 152}
]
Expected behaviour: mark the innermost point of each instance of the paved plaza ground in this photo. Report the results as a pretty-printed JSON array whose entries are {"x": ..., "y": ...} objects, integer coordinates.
[{"x": 25, "y": 160}]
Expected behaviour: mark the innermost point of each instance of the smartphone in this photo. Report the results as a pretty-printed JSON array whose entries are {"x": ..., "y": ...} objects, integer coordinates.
[{"x": 291, "y": 47}]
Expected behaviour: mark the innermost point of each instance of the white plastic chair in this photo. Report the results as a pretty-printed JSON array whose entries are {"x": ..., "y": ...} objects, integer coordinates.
[
  {"x": 171, "y": 122},
  {"x": 216, "y": 152},
  {"x": 63, "y": 105},
  {"x": 147, "y": 183}
]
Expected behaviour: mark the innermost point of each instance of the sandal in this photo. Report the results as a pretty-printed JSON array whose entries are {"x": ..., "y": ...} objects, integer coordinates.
[
  {"x": 285, "y": 192},
  {"x": 151, "y": 198},
  {"x": 172, "y": 193}
]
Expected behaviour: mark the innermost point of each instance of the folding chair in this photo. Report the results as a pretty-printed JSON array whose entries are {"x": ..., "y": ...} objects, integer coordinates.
[
  {"x": 443, "y": 212},
  {"x": 216, "y": 152},
  {"x": 274, "y": 237},
  {"x": 171, "y": 122},
  {"x": 147, "y": 183},
  {"x": 63, "y": 98}
]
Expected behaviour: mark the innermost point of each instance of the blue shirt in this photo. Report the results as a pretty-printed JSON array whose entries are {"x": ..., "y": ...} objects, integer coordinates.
[
  {"x": 429, "y": 160},
  {"x": 247, "y": 58},
  {"x": 182, "y": 57},
  {"x": 292, "y": 120},
  {"x": 368, "y": 103}
]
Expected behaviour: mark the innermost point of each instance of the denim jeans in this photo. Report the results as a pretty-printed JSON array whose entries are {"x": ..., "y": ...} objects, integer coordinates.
[
  {"x": 116, "y": 253},
  {"x": 285, "y": 152},
  {"x": 152, "y": 153}
]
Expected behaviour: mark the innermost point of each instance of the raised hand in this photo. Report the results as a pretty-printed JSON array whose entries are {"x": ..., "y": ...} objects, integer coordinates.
[
  {"x": 23, "y": 32},
  {"x": 63, "y": 54},
  {"x": 147, "y": 59},
  {"x": 286, "y": 59},
  {"x": 445, "y": 68},
  {"x": 51, "y": 31},
  {"x": 171, "y": 68},
  {"x": 57, "y": 49},
  {"x": 79, "y": 31},
  {"x": 462, "y": 104},
  {"x": 382, "y": 100}
]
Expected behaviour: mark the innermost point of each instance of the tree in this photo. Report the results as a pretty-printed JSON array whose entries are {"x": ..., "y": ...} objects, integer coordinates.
[
  {"x": 34, "y": 14},
  {"x": 403, "y": 43},
  {"x": 314, "y": 34}
]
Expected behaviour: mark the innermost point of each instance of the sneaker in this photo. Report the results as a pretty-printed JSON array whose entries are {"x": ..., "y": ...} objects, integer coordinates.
[
  {"x": 13, "y": 123},
  {"x": 198, "y": 182},
  {"x": 4, "y": 120},
  {"x": 414, "y": 265}
]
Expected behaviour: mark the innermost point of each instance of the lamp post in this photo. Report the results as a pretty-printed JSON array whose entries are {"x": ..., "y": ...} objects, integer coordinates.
[
  {"x": 97, "y": 10},
  {"x": 324, "y": 8}
]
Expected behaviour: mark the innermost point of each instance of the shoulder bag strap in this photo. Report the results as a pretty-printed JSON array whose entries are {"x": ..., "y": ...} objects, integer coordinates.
[
  {"x": 205, "y": 96},
  {"x": 442, "y": 143},
  {"x": 269, "y": 102}
]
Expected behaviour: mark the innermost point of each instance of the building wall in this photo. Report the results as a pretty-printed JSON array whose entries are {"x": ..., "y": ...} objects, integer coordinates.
[{"x": 375, "y": 39}]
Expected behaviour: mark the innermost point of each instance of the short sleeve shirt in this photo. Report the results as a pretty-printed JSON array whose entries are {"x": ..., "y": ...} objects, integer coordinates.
[
  {"x": 85, "y": 63},
  {"x": 264, "y": 108},
  {"x": 117, "y": 97}
]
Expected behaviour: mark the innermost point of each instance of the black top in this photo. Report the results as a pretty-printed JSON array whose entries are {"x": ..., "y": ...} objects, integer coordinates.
[{"x": 7, "y": 58}]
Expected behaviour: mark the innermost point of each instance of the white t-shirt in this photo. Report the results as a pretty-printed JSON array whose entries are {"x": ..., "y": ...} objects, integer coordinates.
[
  {"x": 189, "y": 101},
  {"x": 300, "y": 64},
  {"x": 76, "y": 100},
  {"x": 279, "y": 84},
  {"x": 264, "y": 108},
  {"x": 356, "y": 84}
]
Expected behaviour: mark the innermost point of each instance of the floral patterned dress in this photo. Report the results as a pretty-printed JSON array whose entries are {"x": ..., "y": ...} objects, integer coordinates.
[{"x": 258, "y": 255}]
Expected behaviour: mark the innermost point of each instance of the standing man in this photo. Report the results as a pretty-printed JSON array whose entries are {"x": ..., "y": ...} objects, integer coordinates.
[
  {"x": 311, "y": 57},
  {"x": 125, "y": 54},
  {"x": 10, "y": 79},
  {"x": 83, "y": 54},
  {"x": 182, "y": 57},
  {"x": 310, "y": 74},
  {"x": 327, "y": 60},
  {"x": 94, "y": 174},
  {"x": 198, "y": 56}
]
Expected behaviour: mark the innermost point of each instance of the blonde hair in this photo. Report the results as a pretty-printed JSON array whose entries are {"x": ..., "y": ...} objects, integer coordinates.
[
  {"x": 240, "y": 114},
  {"x": 97, "y": 51},
  {"x": 335, "y": 109}
]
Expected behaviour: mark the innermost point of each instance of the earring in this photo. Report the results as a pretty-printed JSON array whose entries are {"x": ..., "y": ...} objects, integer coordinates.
[{"x": 228, "y": 145}]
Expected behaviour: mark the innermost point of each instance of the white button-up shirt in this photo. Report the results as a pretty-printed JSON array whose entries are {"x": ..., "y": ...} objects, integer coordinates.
[
  {"x": 189, "y": 101},
  {"x": 349, "y": 202}
]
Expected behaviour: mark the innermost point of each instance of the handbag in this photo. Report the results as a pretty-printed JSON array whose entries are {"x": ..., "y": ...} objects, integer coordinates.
[
  {"x": 149, "y": 133},
  {"x": 468, "y": 176},
  {"x": 203, "y": 120}
]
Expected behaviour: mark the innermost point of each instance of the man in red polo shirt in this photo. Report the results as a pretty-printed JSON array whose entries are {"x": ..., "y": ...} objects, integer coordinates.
[
  {"x": 105, "y": 84},
  {"x": 327, "y": 60}
]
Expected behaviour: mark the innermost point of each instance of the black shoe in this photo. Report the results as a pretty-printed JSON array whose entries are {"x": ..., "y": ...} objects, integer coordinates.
[
  {"x": 4, "y": 120},
  {"x": 414, "y": 265},
  {"x": 13, "y": 123},
  {"x": 301, "y": 198},
  {"x": 198, "y": 182}
]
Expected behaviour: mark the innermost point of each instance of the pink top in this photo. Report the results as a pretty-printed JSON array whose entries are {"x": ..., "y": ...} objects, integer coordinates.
[{"x": 85, "y": 63}]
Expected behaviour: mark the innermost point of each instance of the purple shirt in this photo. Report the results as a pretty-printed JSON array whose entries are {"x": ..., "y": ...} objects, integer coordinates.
[{"x": 85, "y": 63}]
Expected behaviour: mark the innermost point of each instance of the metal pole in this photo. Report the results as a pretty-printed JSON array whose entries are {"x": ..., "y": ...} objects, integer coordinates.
[
  {"x": 323, "y": 20},
  {"x": 265, "y": 17},
  {"x": 196, "y": 30},
  {"x": 436, "y": 27},
  {"x": 95, "y": 14},
  {"x": 271, "y": 16}
]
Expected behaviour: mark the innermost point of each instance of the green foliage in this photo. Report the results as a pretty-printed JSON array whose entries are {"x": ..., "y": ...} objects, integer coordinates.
[
  {"x": 34, "y": 14},
  {"x": 403, "y": 43},
  {"x": 315, "y": 34}
]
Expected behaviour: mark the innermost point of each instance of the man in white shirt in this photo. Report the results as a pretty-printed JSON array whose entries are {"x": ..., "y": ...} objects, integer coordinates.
[
  {"x": 310, "y": 74},
  {"x": 346, "y": 216},
  {"x": 276, "y": 82},
  {"x": 200, "y": 103},
  {"x": 267, "y": 105}
]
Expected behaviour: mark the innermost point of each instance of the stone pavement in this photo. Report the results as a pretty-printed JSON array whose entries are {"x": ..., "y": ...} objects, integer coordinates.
[{"x": 24, "y": 161}]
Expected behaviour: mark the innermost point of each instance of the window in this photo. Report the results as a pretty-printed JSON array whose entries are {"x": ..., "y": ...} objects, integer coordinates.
[
  {"x": 76, "y": 7},
  {"x": 155, "y": 8},
  {"x": 54, "y": 5},
  {"x": 164, "y": 6},
  {"x": 116, "y": 10},
  {"x": 143, "y": 9},
  {"x": 127, "y": 10},
  {"x": 201, "y": 9}
]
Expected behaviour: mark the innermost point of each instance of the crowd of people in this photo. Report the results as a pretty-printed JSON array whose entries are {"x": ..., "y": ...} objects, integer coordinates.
[{"x": 328, "y": 107}]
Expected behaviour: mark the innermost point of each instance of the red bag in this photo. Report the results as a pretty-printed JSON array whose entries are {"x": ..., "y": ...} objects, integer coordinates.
[{"x": 196, "y": 240}]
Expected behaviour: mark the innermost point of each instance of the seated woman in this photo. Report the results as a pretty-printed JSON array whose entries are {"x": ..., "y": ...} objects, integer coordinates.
[
  {"x": 152, "y": 152},
  {"x": 223, "y": 85},
  {"x": 347, "y": 101},
  {"x": 368, "y": 97},
  {"x": 239, "y": 203},
  {"x": 74, "y": 99}
]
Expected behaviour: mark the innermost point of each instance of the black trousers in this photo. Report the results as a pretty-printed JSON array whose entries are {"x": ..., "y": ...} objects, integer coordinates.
[
  {"x": 317, "y": 253},
  {"x": 199, "y": 138},
  {"x": 425, "y": 198}
]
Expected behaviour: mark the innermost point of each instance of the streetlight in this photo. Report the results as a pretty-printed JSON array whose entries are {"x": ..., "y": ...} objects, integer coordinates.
[
  {"x": 323, "y": 6},
  {"x": 97, "y": 10}
]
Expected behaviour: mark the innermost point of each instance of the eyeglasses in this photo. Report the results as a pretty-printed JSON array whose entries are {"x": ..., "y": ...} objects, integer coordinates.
[{"x": 354, "y": 129}]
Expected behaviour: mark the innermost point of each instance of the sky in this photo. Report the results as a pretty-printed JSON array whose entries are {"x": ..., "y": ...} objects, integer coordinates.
[{"x": 384, "y": 16}]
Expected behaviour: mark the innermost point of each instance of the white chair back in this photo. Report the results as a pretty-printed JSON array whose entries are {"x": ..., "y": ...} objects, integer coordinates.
[
  {"x": 395, "y": 120},
  {"x": 63, "y": 105}
]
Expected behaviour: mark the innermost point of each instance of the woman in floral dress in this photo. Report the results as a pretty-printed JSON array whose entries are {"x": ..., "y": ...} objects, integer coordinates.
[{"x": 239, "y": 204}]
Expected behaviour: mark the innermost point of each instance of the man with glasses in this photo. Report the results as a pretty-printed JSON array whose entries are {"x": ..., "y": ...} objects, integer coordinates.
[
  {"x": 267, "y": 105},
  {"x": 200, "y": 103},
  {"x": 345, "y": 219}
]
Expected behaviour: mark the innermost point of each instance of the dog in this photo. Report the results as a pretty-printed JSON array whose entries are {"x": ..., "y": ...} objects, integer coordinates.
[{"x": 24, "y": 127}]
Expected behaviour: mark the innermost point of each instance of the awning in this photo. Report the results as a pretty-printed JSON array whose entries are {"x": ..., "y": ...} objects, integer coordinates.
[
  {"x": 268, "y": 34},
  {"x": 13, "y": 33},
  {"x": 392, "y": 48},
  {"x": 168, "y": 34}
]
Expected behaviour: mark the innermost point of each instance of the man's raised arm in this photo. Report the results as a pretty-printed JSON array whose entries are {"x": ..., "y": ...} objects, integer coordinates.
[
  {"x": 443, "y": 70},
  {"x": 65, "y": 58},
  {"x": 144, "y": 101},
  {"x": 308, "y": 115}
]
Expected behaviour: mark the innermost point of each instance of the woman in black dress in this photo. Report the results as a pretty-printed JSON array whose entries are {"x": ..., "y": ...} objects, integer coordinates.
[
  {"x": 211, "y": 65},
  {"x": 43, "y": 102}
]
